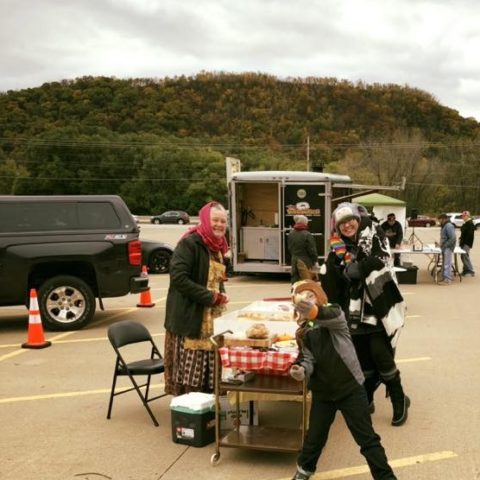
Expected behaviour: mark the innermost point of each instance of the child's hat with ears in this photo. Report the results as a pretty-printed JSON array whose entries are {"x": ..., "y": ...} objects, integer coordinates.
[{"x": 313, "y": 286}]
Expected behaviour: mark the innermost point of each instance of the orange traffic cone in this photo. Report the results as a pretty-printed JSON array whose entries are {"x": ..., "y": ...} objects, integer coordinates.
[
  {"x": 145, "y": 298},
  {"x": 35, "y": 328}
]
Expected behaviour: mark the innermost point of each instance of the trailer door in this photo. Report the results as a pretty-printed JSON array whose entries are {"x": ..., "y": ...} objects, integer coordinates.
[{"x": 307, "y": 199}]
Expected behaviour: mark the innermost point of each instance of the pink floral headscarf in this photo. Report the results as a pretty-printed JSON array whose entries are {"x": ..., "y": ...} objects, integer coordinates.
[{"x": 204, "y": 229}]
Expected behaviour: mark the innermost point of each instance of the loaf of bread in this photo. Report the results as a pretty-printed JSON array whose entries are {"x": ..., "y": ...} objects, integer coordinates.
[{"x": 257, "y": 330}]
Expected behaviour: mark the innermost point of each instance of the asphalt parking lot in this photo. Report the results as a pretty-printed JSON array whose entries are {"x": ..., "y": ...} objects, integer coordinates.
[{"x": 53, "y": 402}]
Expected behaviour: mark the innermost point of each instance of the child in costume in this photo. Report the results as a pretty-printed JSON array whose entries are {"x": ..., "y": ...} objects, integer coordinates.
[{"x": 329, "y": 362}]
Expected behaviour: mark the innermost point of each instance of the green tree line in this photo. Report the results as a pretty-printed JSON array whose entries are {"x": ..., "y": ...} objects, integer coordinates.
[{"x": 161, "y": 143}]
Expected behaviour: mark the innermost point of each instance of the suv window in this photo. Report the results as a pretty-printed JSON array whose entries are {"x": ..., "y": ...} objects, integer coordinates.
[
  {"x": 44, "y": 216},
  {"x": 97, "y": 215}
]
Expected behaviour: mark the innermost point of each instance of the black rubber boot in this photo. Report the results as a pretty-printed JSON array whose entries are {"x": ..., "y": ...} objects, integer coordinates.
[{"x": 400, "y": 401}]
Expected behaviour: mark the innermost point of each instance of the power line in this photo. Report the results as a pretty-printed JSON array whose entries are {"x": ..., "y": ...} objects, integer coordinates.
[
  {"x": 130, "y": 144},
  {"x": 104, "y": 179},
  {"x": 159, "y": 180}
]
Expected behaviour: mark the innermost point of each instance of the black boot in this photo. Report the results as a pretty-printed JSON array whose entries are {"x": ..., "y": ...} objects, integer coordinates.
[{"x": 400, "y": 401}]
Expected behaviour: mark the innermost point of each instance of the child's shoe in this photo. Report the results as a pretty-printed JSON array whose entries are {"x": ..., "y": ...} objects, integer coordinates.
[{"x": 301, "y": 475}]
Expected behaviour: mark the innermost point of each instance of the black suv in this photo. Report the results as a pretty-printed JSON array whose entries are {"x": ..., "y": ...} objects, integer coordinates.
[{"x": 72, "y": 249}]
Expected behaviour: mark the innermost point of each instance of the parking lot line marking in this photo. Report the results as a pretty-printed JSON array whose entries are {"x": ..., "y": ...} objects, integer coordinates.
[
  {"x": 398, "y": 463},
  {"x": 414, "y": 359},
  {"x": 98, "y": 339},
  {"x": 107, "y": 390},
  {"x": 51, "y": 396},
  {"x": 76, "y": 340},
  {"x": 124, "y": 312},
  {"x": 412, "y": 316},
  {"x": 23, "y": 350}
]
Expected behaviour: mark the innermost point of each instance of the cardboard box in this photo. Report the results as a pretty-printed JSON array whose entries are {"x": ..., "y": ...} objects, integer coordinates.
[
  {"x": 409, "y": 276},
  {"x": 228, "y": 413}
]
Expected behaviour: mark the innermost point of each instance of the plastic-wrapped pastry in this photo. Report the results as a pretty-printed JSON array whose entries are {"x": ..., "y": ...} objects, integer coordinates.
[{"x": 257, "y": 330}]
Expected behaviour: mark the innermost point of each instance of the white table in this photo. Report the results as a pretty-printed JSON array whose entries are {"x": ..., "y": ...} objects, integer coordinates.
[{"x": 434, "y": 254}]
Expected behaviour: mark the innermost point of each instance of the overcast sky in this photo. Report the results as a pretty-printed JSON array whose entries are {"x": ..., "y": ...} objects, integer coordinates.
[{"x": 431, "y": 45}]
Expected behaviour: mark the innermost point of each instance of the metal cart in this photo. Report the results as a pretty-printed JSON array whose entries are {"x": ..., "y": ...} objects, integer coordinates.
[{"x": 256, "y": 437}]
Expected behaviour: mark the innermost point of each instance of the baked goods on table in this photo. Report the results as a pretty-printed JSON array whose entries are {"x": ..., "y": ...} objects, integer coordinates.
[
  {"x": 267, "y": 311},
  {"x": 278, "y": 317},
  {"x": 258, "y": 330}
]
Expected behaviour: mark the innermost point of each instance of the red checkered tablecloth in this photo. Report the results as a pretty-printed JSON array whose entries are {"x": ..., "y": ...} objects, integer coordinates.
[{"x": 264, "y": 362}]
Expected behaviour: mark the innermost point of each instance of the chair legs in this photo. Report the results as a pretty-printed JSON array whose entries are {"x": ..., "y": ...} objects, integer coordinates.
[
  {"x": 126, "y": 333},
  {"x": 145, "y": 399},
  {"x": 137, "y": 388},
  {"x": 112, "y": 393}
]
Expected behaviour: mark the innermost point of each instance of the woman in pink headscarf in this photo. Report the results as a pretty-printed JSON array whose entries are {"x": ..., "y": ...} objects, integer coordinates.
[{"x": 195, "y": 297}]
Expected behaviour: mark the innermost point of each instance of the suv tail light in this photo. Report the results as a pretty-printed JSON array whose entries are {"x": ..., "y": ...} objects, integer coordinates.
[{"x": 135, "y": 252}]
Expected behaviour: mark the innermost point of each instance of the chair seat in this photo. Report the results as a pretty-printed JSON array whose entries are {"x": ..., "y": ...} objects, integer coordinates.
[{"x": 143, "y": 367}]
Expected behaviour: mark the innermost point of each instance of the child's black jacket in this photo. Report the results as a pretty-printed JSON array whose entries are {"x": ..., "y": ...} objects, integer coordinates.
[{"x": 328, "y": 355}]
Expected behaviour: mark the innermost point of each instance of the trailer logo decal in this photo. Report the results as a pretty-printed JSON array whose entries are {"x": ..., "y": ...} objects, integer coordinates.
[
  {"x": 303, "y": 208},
  {"x": 301, "y": 193}
]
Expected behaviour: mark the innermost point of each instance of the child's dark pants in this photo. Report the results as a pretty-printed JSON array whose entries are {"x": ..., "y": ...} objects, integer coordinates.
[{"x": 354, "y": 408}]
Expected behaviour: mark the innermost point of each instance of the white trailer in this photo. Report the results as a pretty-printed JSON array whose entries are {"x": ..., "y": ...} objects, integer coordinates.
[{"x": 262, "y": 206}]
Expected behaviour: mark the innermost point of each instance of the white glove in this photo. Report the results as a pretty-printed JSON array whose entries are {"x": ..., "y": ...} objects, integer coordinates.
[{"x": 297, "y": 372}]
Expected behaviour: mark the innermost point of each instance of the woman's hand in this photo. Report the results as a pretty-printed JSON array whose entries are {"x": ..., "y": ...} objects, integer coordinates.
[{"x": 219, "y": 298}]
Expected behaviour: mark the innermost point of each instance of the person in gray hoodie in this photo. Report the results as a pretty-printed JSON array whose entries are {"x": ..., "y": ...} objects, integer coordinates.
[{"x": 328, "y": 361}]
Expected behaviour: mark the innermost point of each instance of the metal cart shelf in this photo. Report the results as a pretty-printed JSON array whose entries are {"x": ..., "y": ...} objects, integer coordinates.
[{"x": 257, "y": 437}]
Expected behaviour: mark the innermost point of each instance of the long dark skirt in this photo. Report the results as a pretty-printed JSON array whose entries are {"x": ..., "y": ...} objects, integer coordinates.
[{"x": 186, "y": 370}]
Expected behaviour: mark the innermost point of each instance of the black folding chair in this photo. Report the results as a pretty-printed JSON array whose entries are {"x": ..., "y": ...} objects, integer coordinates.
[{"x": 122, "y": 334}]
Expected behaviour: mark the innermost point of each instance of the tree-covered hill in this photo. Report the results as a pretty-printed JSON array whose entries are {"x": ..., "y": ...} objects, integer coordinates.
[{"x": 157, "y": 140}]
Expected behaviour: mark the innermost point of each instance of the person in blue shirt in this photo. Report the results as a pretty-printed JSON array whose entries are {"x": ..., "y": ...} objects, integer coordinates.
[{"x": 448, "y": 240}]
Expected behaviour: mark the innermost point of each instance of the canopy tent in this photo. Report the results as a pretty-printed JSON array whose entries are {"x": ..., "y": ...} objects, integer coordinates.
[{"x": 381, "y": 205}]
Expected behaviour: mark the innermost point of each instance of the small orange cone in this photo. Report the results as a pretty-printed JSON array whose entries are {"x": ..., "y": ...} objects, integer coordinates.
[
  {"x": 145, "y": 298},
  {"x": 35, "y": 328}
]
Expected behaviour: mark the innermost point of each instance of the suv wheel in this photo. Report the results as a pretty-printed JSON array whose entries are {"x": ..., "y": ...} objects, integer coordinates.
[
  {"x": 159, "y": 261},
  {"x": 156, "y": 221},
  {"x": 181, "y": 221},
  {"x": 66, "y": 303}
]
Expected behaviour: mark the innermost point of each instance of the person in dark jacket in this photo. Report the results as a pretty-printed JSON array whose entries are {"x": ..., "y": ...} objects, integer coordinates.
[
  {"x": 394, "y": 232},
  {"x": 358, "y": 275},
  {"x": 329, "y": 362},
  {"x": 303, "y": 251},
  {"x": 467, "y": 233},
  {"x": 195, "y": 297}
]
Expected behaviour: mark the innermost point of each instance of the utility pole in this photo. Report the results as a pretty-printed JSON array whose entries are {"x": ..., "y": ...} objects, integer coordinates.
[{"x": 308, "y": 153}]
